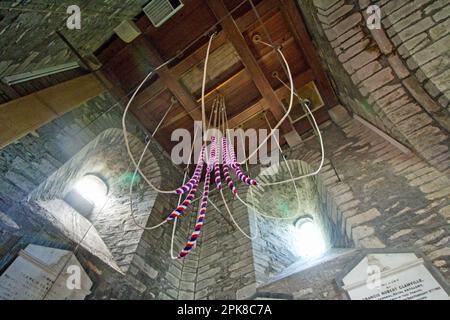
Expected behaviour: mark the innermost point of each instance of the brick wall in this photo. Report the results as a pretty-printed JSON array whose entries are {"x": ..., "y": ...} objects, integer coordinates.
[
  {"x": 374, "y": 196},
  {"x": 419, "y": 31},
  {"x": 378, "y": 78}
]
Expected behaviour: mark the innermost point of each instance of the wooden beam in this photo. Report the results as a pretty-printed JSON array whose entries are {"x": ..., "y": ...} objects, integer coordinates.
[
  {"x": 236, "y": 38},
  {"x": 166, "y": 76},
  {"x": 26, "y": 114},
  {"x": 262, "y": 106},
  {"x": 112, "y": 84},
  {"x": 185, "y": 65},
  {"x": 292, "y": 14},
  {"x": 9, "y": 91},
  {"x": 244, "y": 22}
]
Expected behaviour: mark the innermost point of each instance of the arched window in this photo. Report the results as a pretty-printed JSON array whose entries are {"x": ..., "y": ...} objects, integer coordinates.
[
  {"x": 309, "y": 240},
  {"x": 92, "y": 188},
  {"x": 89, "y": 192}
]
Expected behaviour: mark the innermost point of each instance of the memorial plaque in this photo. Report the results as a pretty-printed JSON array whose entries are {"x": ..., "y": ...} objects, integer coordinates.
[
  {"x": 393, "y": 276},
  {"x": 41, "y": 273}
]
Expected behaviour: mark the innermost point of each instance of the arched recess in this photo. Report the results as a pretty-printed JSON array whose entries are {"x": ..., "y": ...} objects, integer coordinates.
[
  {"x": 109, "y": 232},
  {"x": 324, "y": 198},
  {"x": 377, "y": 78}
]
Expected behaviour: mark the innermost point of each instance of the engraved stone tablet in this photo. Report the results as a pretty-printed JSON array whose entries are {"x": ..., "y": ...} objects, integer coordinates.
[
  {"x": 41, "y": 273},
  {"x": 393, "y": 276}
]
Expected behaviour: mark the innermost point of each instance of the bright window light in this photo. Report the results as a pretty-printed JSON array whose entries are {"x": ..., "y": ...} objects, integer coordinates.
[
  {"x": 92, "y": 188},
  {"x": 309, "y": 240}
]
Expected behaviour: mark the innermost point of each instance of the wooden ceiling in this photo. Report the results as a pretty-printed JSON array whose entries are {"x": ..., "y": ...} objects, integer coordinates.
[{"x": 239, "y": 69}]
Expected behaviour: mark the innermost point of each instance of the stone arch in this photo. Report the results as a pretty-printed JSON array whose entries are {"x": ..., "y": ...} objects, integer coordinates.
[
  {"x": 377, "y": 79},
  {"x": 330, "y": 199}
]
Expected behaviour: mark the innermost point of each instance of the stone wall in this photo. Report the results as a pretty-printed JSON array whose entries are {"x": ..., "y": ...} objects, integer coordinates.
[
  {"x": 273, "y": 247},
  {"x": 312, "y": 281},
  {"x": 39, "y": 169},
  {"x": 398, "y": 200},
  {"x": 419, "y": 30},
  {"x": 229, "y": 265},
  {"x": 374, "y": 195},
  {"x": 381, "y": 74},
  {"x": 225, "y": 261},
  {"x": 32, "y": 27},
  {"x": 25, "y": 164},
  {"x": 98, "y": 272},
  {"x": 32, "y": 159},
  {"x": 110, "y": 226},
  {"x": 126, "y": 261},
  {"x": 280, "y": 206},
  {"x": 379, "y": 197}
]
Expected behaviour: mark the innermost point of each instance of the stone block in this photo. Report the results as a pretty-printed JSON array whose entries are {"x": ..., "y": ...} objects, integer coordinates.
[
  {"x": 246, "y": 292},
  {"x": 399, "y": 68},
  {"x": 324, "y": 4},
  {"x": 293, "y": 139},
  {"x": 343, "y": 26},
  {"x": 362, "y": 232},
  {"x": 361, "y": 218},
  {"x": 339, "y": 115},
  {"x": 378, "y": 80},
  {"x": 361, "y": 60},
  {"x": 382, "y": 41}
]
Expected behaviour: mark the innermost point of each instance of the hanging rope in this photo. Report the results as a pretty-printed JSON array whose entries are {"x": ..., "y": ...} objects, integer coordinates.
[
  {"x": 212, "y": 158},
  {"x": 228, "y": 160},
  {"x": 285, "y": 162},
  {"x": 139, "y": 165},
  {"x": 200, "y": 219},
  {"x": 291, "y": 100}
]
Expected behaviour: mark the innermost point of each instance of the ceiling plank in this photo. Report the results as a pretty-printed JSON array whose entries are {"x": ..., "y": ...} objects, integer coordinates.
[
  {"x": 299, "y": 81},
  {"x": 186, "y": 64},
  {"x": 197, "y": 56},
  {"x": 249, "y": 19},
  {"x": 166, "y": 76},
  {"x": 236, "y": 38},
  {"x": 295, "y": 20},
  {"x": 149, "y": 94},
  {"x": 247, "y": 114}
]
